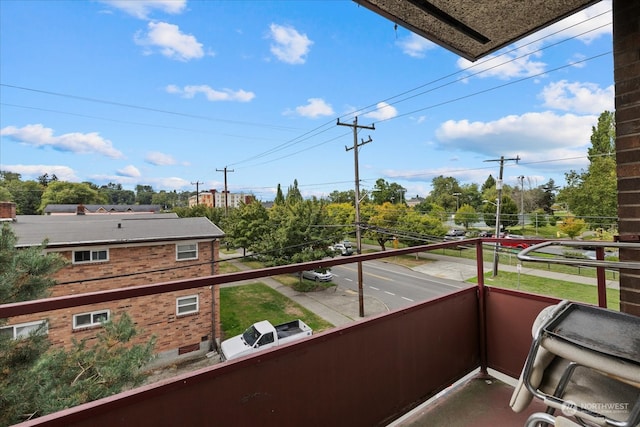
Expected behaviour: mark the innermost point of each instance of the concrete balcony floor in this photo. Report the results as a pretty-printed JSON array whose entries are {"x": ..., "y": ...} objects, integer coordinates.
[{"x": 477, "y": 400}]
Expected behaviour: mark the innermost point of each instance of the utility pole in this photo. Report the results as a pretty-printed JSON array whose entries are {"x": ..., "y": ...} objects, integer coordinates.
[
  {"x": 521, "y": 178},
  {"x": 226, "y": 192},
  {"x": 197, "y": 184},
  {"x": 355, "y": 147},
  {"x": 498, "y": 204}
]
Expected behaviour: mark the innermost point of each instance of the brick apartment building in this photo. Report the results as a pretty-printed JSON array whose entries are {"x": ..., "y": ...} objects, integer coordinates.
[
  {"x": 219, "y": 199},
  {"x": 117, "y": 251}
]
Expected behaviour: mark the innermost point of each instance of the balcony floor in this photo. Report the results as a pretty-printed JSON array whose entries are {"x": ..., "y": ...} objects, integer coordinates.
[{"x": 479, "y": 401}]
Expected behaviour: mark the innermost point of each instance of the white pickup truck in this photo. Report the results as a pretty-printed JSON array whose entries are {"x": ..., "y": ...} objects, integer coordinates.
[{"x": 263, "y": 335}]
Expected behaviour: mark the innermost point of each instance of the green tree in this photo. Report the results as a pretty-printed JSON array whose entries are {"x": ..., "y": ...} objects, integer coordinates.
[
  {"x": 247, "y": 226},
  {"x": 593, "y": 193},
  {"x": 384, "y": 192},
  {"x": 382, "y": 223},
  {"x": 61, "y": 192},
  {"x": 572, "y": 227},
  {"x": 298, "y": 232},
  {"x": 548, "y": 196},
  {"x": 466, "y": 216},
  {"x": 5, "y": 195},
  {"x": 116, "y": 195},
  {"x": 416, "y": 228},
  {"x": 442, "y": 192},
  {"x": 508, "y": 213},
  {"x": 603, "y": 137},
  {"x": 279, "y": 199},
  {"x": 342, "y": 216},
  {"x": 342, "y": 196},
  {"x": 293, "y": 193},
  {"x": 144, "y": 194},
  {"x": 25, "y": 194}
]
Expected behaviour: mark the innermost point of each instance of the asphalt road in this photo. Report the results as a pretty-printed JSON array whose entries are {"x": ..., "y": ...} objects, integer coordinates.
[{"x": 396, "y": 286}]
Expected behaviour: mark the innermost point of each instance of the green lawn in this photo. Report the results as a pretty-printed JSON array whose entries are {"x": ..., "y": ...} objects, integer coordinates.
[
  {"x": 557, "y": 288},
  {"x": 243, "y": 305}
]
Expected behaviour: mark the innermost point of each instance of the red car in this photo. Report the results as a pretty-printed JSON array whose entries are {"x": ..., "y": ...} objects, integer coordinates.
[{"x": 518, "y": 245}]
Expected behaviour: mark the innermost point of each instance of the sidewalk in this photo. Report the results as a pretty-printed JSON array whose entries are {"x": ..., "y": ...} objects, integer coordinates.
[{"x": 462, "y": 269}]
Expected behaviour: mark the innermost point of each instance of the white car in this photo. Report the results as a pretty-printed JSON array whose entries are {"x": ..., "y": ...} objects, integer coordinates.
[
  {"x": 318, "y": 275},
  {"x": 342, "y": 249}
]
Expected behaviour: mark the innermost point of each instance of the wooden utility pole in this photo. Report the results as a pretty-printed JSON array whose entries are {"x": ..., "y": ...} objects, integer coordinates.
[
  {"x": 355, "y": 147},
  {"x": 197, "y": 184},
  {"x": 226, "y": 191},
  {"x": 498, "y": 204}
]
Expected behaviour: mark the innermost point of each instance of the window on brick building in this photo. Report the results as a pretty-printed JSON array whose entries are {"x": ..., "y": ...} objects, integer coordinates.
[
  {"x": 186, "y": 251},
  {"x": 98, "y": 255},
  {"x": 187, "y": 305},
  {"x": 94, "y": 318},
  {"x": 23, "y": 330}
]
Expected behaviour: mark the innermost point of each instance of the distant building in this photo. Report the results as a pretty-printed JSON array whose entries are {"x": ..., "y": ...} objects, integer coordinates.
[
  {"x": 64, "y": 209},
  {"x": 415, "y": 201},
  {"x": 219, "y": 199},
  {"x": 115, "y": 251}
]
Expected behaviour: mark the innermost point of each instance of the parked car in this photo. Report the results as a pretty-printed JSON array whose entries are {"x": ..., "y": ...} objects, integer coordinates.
[
  {"x": 455, "y": 234},
  {"x": 342, "y": 249},
  {"x": 318, "y": 275},
  {"x": 517, "y": 245}
]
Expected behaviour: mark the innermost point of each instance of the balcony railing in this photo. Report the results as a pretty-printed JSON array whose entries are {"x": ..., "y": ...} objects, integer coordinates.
[{"x": 364, "y": 374}]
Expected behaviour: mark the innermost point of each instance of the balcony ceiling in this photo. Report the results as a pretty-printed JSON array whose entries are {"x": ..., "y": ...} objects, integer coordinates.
[{"x": 473, "y": 29}]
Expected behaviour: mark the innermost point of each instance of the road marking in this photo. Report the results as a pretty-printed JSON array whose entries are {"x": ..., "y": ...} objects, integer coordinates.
[
  {"x": 389, "y": 293},
  {"x": 408, "y": 299},
  {"x": 374, "y": 288}
]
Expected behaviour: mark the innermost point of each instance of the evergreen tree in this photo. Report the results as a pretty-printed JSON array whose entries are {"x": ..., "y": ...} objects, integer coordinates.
[{"x": 279, "y": 200}]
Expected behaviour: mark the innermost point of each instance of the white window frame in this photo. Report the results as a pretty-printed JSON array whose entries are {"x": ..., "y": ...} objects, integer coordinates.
[
  {"x": 26, "y": 328},
  {"x": 181, "y": 304},
  {"x": 181, "y": 251},
  {"x": 94, "y": 255},
  {"x": 93, "y": 322}
]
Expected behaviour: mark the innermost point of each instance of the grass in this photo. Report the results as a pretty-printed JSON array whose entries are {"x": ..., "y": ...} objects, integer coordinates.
[
  {"x": 243, "y": 305},
  {"x": 509, "y": 258},
  {"x": 556, "y": 288}
]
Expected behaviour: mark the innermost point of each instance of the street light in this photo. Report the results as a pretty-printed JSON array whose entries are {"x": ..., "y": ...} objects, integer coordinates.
[{"x": 457, "y": 200}]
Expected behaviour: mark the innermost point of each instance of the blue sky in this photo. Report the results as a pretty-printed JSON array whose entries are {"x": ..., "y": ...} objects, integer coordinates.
[{"x": 169, "y": 93}]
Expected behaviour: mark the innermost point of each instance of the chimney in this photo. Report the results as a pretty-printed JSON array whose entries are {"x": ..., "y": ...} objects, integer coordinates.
[
  {"x": 80, "y": 209},
  {"x": 7, "y": 211}
]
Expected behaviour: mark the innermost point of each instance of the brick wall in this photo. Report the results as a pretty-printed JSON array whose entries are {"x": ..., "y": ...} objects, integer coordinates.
[
  {"x": 626, "y": 55},
  {"x": 153, "y": 315}
]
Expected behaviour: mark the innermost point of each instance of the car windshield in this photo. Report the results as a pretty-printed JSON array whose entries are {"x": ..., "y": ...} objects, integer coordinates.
[{"x": 251, "y": 335}]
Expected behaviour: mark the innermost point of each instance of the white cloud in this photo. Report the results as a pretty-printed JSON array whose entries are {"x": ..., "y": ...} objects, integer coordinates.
[
  {"x": 415, "y": 45},
  {"x": 383, "y": 111},
  {"x": 159, "y": 159},
  {"x": 142, "y": 8},
  {"x": 578, "y": 97},
  {"x": 289, "y": 45},
  {"x": 516, "y": 64},
  {"x": 316, "y": 107},
  {"x": 211, "y": 94},
  {"x": 81, "y": 143},
  {"x": 535, "y": 137},
  {"x": 63, "y": 173},
  {"x": 171, "y": 43},
  {"x": 129, "y": 171}
]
